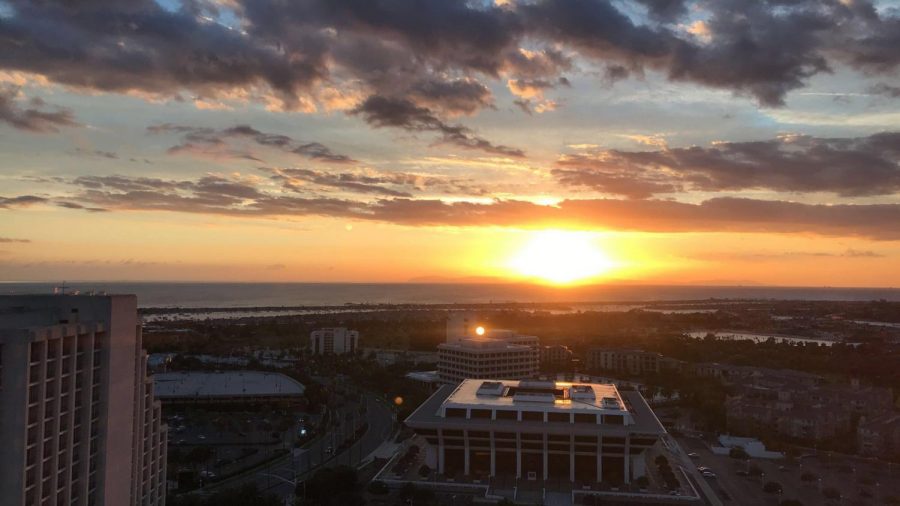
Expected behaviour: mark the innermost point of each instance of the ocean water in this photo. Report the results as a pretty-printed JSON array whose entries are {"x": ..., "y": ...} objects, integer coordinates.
[{"x": 255, "y": 295}]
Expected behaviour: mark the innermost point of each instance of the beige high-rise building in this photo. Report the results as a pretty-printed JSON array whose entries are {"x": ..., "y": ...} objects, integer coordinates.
[{"x": 78, "y": 422}]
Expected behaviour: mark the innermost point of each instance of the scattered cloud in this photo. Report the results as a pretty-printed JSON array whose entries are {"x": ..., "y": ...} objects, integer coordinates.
[
  {"x": 20, "y": 201},
  {"x": 380, "y": 111},
  {"x": 885, "y": 89},
  {"x": 235, "y": 196},
  {"x": 211, "y": 141},
  {"x": 849, "y": 167},
  {"x": 37, "y": 116}
]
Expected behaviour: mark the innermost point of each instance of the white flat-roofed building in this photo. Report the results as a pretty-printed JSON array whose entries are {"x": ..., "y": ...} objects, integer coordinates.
[
  {"x": 226, "y": 386},
  {"x": 486, "y": 358},
  {"x": 537, "y": 430},
  {"x": 474, "y": 350},
  {"x": 79, "y": 424},
  {"x": 334, "y": 341}
]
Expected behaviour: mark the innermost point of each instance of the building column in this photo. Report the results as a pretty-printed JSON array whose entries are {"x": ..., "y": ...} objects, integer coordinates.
[
  {"x": 440, "y": 455},
  {"x": 599, "y": 459},
  {"x": 546, "y": 455},
  {"x": 493, "y": 456},
  {"x": 518, "y": 455},
  {"x": 571, "y": 458},
  {"x": 627, "y": 459},
  {"x": 466, "y": 450}
]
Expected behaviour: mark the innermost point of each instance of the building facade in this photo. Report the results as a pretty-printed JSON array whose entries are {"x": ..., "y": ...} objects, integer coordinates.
[
  {"x": 556, "y": 354},
  {"x": 537, "y": 430},
  {"x": 634, "y": 362},
  {"x": 486, "y": 358},
  {"x": 79, "y": 424},
  {"x": 474, "y": 350},
  {"x": 334, "y": 341}
]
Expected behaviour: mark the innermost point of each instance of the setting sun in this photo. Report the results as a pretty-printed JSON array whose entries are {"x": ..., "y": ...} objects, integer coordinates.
[{"x": 561, "y": 257}]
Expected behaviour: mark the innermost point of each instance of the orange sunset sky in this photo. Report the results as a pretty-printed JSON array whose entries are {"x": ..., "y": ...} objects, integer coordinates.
[{"x": 550, "y": 141}]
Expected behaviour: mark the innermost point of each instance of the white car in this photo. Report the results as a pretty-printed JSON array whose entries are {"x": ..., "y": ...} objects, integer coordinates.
[
  {"x": 708, "y": 474},
  {"x": 694, "y": 455}
]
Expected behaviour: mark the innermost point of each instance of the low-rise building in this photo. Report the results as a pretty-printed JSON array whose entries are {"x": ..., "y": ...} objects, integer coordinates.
[
  {"x": 629, "y": 361},
  {"x": 555, "y": 354},
  {"x": 880, "y": 436},
  {"x": 334, "y": 341},
  {"x": 226, "y": 387},
  {"x": 799, "y": 405},
  {"x": 537, "y": 430}
]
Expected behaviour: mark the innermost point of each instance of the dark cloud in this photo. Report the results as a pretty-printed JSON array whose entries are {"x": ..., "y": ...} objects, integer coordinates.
[
  {"x": 846, "y": 166},
  {"x": 849, "y": 253},
  {"x": 20, "y": 201},
  {"x": 34, "y": 117},
  {"x": 295, "y": 179},
  {"x": 10, "y": 240},
  {"x": 385, "y": 184},
  {"x": 95, "y": 152},
  {"x": 206, "y": 140},
  {"x": 762, "y": 49},
  {"x": 459, "y": 96},
  {"x": 237, "y": 197},
  {"x": 886, "y": 90},
  {"x": 665, "y": 10},
  {"x": 380, "y": 111}
]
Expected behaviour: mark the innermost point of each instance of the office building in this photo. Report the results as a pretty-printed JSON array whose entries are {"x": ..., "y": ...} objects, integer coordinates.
[
  {"x": 486, "y": 358},
  {"x": 79, "y": 425},
  {"x": 475, "y": 350},
  {"x": 334, "y": 341},
  {"x": 537, "y": 430}
]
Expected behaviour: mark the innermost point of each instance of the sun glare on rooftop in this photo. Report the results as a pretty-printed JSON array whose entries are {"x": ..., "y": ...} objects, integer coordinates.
[{"x": 561, "y": 257}]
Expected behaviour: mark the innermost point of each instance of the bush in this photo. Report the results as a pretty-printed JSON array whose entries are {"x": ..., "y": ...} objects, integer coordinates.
[
  {"x": 378, "y": 488},
  {"x": 755, "y": 471},
  {"x": 772, "y": 487},
  {"x": 807, "y": 477},
  {"x": 790, "y": 502},
  {"x": 642, "y": 482}
]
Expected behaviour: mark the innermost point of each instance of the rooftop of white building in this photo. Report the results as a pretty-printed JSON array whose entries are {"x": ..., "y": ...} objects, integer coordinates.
[
  {"x": 537, "y": 394},
  {"x": 192, "y": 384},
  {"x": 477, "y": 403}
]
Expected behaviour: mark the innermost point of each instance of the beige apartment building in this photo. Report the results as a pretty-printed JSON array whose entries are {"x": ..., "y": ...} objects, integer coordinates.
[{"x": 79, "y": 425}]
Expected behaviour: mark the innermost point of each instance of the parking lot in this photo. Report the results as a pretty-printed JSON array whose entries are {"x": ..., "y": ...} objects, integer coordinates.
[
  {"x": 813, "y": 479},
  {"x": 215, "y": 444}
]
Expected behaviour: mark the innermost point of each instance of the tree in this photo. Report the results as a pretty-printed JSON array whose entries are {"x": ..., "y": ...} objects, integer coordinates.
[
  {"x": 337, "y": 486},
  {"x": 738, "y": 452},
  {"x": 772, "y": 487},
  {"x": 808, "y": 477},
  {"x": 755, "y": 470},
  {"x": 831, "y": 493},
  {"x": 790, "y": 502},
  {"x": 237, "y": 496},
  {"x": 378, "y": 488}
]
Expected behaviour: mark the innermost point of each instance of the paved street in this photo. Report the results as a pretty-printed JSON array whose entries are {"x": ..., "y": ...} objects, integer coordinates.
[
  {"x": 278, "y": 477},
  {"x": 858, "y": 481}
]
